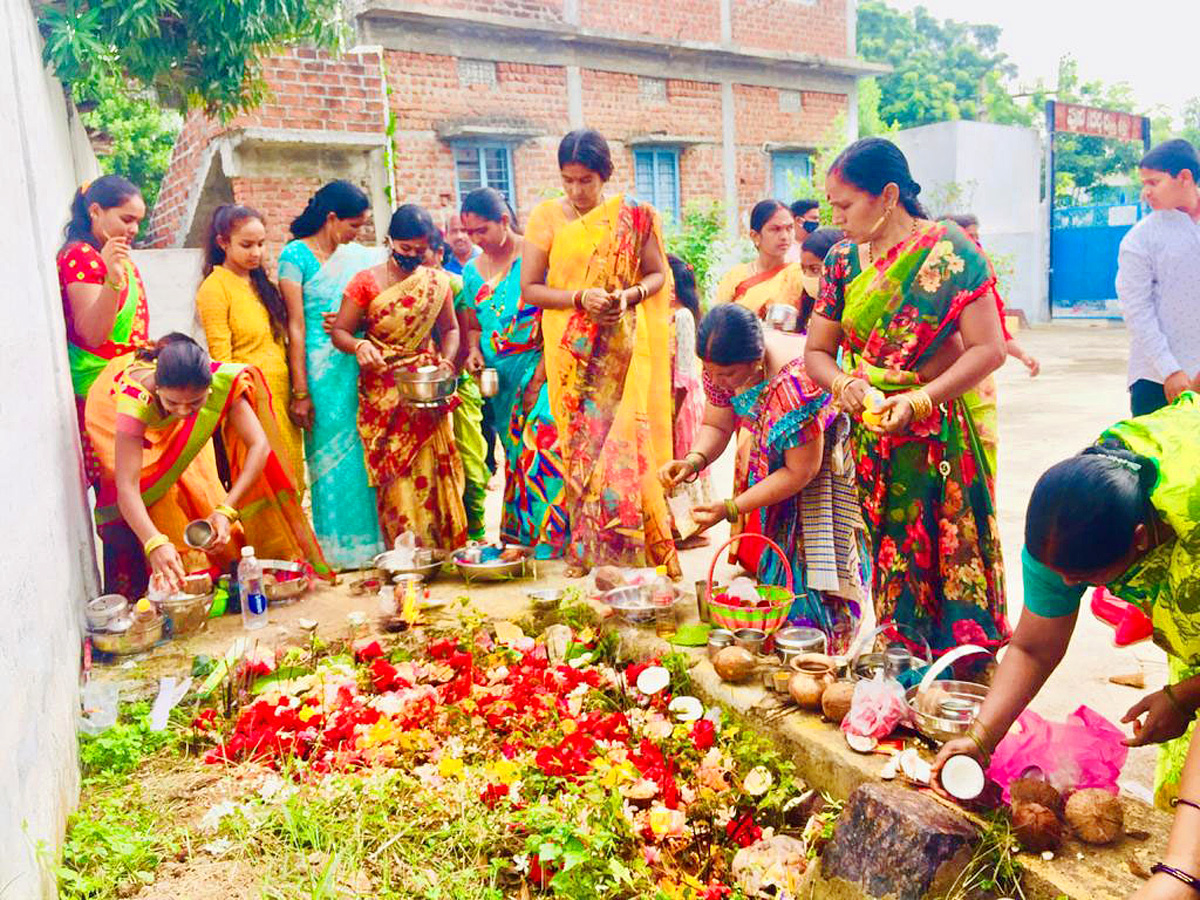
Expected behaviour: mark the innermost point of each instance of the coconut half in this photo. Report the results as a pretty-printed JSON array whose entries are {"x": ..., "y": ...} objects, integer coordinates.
[
  {"x": 686, "y": 709},
  {"x": 653, "y": 679},
  {"x": 963, "y": 777},
  {"x": 861, "y": 743}
]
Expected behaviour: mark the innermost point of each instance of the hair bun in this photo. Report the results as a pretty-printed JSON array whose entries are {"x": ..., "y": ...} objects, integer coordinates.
[{"x": 914, "y": 188}]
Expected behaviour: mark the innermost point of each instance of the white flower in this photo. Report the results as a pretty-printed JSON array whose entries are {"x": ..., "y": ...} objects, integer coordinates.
[
  {"x": 757, "y": 781},
  {"x": 521, "y": 863}
]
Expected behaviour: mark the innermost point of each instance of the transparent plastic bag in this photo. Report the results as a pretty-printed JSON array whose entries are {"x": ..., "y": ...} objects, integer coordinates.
[{"x": 1085, "y": 751}]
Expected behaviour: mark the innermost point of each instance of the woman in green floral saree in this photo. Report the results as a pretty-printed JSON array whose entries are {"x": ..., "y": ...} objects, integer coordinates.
[
  {"x": 910, "y": 304},
  {"x": 1124, "y": 513}
]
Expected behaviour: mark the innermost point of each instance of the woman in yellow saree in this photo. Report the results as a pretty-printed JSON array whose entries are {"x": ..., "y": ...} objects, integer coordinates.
[
  {"x": 597, "y": 269},
  {"x": 768, "y": 278},
  {"x": 151, "y": 417},
  {"x": 412, "y": 461}
]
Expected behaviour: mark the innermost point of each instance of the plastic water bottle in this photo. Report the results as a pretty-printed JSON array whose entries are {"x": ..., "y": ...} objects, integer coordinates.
[
  {"x": 662, "y": 596},
  {"x": 254, "y": 597}
]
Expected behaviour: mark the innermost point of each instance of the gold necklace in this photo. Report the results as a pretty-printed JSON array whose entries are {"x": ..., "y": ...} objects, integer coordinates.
[{"x": 871, "y": 249}]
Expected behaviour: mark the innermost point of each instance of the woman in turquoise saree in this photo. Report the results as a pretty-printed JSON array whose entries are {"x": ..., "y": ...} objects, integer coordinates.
[
  {"x": 534, "y": 514},
  {"x": 314, "y": 270},
  {"x": 912, "y": 308}
]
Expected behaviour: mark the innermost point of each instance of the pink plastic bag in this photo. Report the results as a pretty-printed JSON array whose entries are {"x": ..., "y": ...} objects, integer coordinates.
[
  {"x": 1083, "y": 752},
  {"x": 876, "y": 708}
]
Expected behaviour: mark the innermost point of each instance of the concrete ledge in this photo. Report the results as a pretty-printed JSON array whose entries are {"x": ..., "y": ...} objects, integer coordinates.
[{"x": 1077, "y": 872}]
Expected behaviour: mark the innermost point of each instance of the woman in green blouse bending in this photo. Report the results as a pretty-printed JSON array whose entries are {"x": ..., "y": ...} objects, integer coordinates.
[{"x": 1124, "y": 513}]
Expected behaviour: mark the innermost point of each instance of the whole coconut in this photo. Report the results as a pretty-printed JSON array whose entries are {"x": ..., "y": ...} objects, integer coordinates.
[
  {"x": 836, "y": 700},
  {"x": 1034, "y": 790},
  {"x": 1036, "y": 827},
  {"x": 1095, "y": 815},
  {"x": 734, "y": 664}
]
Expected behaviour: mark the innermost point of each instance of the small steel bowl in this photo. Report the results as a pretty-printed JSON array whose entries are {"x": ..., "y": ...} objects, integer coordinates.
[
  {"x": 941, "y": 727},
  {"x": 718, "y": 640},
  {"x": 496, "y": 570},
  {"x": 428, "y": 386},
  {"x": 781, "y": 317},
  {"x": 547, "y": 598},
  {"x": 426, "y": 563},
  {"x": 198, "y": 534},
  {"x": 489, "y": 382},
  {"x": 137, "y": 637},
  {"x": 188, "y": 612},
  {"x": 101, "y": 611},
  {"x": 750, "y": 639}
]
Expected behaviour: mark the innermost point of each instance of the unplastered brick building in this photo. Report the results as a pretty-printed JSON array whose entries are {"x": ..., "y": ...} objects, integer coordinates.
[{"x": 699, "y": 99}]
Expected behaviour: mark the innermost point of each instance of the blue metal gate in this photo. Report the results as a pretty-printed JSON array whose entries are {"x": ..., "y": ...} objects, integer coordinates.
[{"x": 1083, "y": 259}]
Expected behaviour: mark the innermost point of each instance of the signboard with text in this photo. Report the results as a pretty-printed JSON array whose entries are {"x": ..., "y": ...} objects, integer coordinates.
[{"x": 1106, "y": 123}]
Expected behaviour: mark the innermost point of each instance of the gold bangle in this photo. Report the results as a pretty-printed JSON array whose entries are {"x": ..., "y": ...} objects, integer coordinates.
[
  {"x": 300, "y": 395},
  {"x": 359, "y": 343},
  {"x": 227, "y": 511},
  {"x": 153, "y": 543},
  {"x": 577, "y": 300},
  {"x": 921, "y": 403},
  {"x": 731, "y": 511},
  {"x": 115, "y": 285},
  {"x": 838, "y": 388},
  {"x": 980, "y": 742}
]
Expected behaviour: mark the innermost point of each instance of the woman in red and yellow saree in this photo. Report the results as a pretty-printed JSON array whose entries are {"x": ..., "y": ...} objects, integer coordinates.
[
  {"x": 412, "y": 461},
  {"x": 596, "y": 267},
  {"x": 769, "y": 278},
  {"x": 912, "y": 308},
  {"x": 104, "y": 301},
  {"x": 151, "y": 417}
]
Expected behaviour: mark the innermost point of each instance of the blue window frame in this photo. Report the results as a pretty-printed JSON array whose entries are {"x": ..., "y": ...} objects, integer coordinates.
[
  {"x": 479, "y": 165},
  {"x": 656, "y": 178},
  {"x": 788, "y": 171}
]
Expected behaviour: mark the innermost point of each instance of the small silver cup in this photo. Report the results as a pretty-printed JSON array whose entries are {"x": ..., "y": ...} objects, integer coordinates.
[{"x": 489, "y": 382}]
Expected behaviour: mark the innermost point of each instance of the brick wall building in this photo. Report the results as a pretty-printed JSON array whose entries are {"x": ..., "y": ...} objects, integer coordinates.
[{"x": 699, "y": 99}]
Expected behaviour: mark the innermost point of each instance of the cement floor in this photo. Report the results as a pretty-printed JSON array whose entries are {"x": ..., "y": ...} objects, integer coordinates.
[{"x": 1080, "y": 391}]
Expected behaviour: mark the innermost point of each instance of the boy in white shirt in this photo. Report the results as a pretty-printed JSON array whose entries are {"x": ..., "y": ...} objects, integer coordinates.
[{"x": 1158, "y": 280}]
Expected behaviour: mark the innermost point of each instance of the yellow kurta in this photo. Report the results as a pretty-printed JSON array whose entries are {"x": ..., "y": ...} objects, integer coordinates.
[{"x": 238, "y": 329}]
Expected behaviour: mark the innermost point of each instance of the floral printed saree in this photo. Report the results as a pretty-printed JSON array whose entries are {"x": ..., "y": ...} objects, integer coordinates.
[{"x": 927, "y": 494}]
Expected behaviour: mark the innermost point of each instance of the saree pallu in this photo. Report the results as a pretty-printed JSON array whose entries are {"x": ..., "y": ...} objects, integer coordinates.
[
  {"x": 179, "y": 474},
  {"x": 688, "y": 416},
  {"x": 412, "y": 460},
  {"x": 344, "y": 508},
  {"x": 533, "y": 513},
  {"x": 81, "y": 263},
  {"x": 758, "y": 290},
  {"x": 610, "y": 389},
  {"x": 927, "y": 494}
]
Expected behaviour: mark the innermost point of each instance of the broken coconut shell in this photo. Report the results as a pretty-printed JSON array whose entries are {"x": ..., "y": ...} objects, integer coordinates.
[
  {"x": 1034, "y": 790},
  {"x": 1036, "y": 827},
  {"x": 735, "y": 664},
  {"x": 835, "y": 702},
  {"x": 1095, "y": 815}
]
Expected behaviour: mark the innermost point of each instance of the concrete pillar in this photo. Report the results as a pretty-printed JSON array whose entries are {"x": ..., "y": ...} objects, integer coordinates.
[
  {"x": 726, "y": 21},
  {"x": 729, "y": 156},
  {"x": 575, "y": 96}
]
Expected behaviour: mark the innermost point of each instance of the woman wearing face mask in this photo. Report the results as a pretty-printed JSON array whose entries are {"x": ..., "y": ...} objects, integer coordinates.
[
  {"x": 411, "y": 457},
  {"x": 151, "y": 416},
  {"x": 757, "y": 382},
  {"x": 244, "y": 316},
  {"x": 597, "y": 269},
  {"x": 314, "y": 270},
  {"x": 769, "y": 278},
  {"x": 911, "y": 305},
  {"x": 813, "y": 250},
  {"x": 1123, "y": 513}
]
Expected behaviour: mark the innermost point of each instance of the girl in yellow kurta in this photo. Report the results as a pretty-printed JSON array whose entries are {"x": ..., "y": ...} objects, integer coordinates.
[
  {"x": 244, "y": 316},
  {"x": 597, "y": 269}
]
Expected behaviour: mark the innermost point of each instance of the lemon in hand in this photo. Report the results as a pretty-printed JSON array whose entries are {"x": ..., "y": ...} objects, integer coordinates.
[{"x": 871, "y": 401}]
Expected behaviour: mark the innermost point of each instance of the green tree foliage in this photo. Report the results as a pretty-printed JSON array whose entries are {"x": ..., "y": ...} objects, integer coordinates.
[
  {"x": 191, "y": 53},
  {"x": 142, "y": 133},
  {"x": 941, "y": 70}
]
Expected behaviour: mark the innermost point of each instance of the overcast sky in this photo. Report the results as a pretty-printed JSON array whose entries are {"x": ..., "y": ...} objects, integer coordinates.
[{"x": 1154, "y": 46}]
